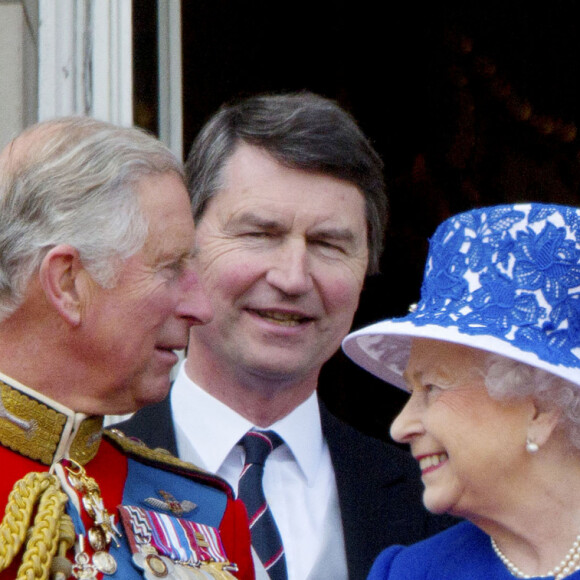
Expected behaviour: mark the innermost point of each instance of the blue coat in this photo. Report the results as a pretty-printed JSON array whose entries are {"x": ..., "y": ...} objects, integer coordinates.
[{"x": 462, "y": 552}]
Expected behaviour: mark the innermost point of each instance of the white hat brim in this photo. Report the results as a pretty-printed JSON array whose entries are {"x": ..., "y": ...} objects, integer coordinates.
[{"x": 383, "y": 349}]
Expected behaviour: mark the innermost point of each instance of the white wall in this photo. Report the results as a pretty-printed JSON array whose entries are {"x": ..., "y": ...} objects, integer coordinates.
[{"x": 18, "y": 67}]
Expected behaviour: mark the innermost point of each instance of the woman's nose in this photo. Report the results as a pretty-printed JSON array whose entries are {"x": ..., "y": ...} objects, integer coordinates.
[{"x": 408, "y": 423}]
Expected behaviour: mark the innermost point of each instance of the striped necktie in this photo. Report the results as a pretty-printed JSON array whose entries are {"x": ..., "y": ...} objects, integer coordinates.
[{"x": 266, "y": 538}]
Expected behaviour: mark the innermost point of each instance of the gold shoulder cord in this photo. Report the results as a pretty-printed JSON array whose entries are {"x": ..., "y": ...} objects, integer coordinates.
[{"x": 52, "y": 528}]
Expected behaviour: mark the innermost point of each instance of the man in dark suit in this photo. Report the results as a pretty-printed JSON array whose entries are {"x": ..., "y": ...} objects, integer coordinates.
[{"x": 289, "y": 201}]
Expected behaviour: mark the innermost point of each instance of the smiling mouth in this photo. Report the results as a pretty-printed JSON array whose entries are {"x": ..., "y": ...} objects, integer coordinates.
[
  {"x": 282, "y": 318},
  {"x": 430, "y": 462}
]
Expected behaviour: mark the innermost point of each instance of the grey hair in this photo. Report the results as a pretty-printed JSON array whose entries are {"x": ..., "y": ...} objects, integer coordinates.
[
  {"x": 74, "y": 184},
  {"x": 302, "y": 131},
  {"x": 509, "y": 379}
]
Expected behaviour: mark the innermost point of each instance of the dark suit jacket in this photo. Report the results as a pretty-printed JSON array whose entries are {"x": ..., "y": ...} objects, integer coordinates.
[{"x": 379, "y": 485}]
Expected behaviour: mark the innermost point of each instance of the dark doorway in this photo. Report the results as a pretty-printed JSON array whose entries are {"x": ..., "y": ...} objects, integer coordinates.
[{"x": 469, "y": 104}]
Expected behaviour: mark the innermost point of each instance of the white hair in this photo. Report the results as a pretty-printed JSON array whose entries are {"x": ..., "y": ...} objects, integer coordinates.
[
  {"x": 74, "y": 184},
  {"x": 509, "y": 379}
]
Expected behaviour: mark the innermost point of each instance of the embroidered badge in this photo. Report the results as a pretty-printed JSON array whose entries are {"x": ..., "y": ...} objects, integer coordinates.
[{"x": 170, "y": 504}]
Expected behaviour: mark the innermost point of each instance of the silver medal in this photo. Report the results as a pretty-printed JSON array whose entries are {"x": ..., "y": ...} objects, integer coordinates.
[{"x": 105, "y": 563}]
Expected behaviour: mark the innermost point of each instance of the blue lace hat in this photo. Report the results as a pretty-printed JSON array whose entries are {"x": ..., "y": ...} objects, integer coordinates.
[{"x": 504, "y": 279}]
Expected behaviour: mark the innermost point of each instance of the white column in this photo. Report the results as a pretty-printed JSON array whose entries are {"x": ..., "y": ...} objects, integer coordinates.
[
  {"x": 85, "y": 59},
  {"x": 170, "y": 75},
  {"x": 112, "y": 61},
  {"x": 60, "y": 92}
]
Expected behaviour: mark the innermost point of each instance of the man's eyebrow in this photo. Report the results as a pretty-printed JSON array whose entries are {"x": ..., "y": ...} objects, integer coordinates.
[
  {"x": 268, "y": 223},
  {"x": 333, "y": 233},
  {"x": 253, "y": 219}
]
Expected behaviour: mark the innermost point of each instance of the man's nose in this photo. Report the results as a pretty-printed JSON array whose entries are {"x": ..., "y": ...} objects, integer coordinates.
[
  {"x": 195, "y": 305},
  {"x": 290, "y": 270}
]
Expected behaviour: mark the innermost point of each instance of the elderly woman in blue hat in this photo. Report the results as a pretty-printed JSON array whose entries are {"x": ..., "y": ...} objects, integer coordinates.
[{"x": 491, "y": 359}]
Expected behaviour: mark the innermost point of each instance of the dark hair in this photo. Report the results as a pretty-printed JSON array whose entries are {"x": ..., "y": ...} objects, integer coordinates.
[{"x": 302, "y": 131}]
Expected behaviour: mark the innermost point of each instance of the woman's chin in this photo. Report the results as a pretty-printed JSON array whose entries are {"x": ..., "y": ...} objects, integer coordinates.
[{"x": 436, "y": 505}]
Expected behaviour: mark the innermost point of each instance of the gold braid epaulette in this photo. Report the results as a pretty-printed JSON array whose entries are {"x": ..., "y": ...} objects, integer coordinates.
[
  {"x": 163, "y": 459},
  {"x": 52, "y": 527}
]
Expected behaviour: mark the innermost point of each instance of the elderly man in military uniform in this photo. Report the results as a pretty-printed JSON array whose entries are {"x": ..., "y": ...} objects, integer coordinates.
[{"x": 97, "y": 290}]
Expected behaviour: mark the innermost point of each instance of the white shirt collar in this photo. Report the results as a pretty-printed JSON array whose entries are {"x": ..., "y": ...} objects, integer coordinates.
[{"x": 200, "y": 421}]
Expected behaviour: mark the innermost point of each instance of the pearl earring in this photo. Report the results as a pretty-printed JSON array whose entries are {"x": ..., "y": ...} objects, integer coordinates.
[{"x": 531, "y": 446}]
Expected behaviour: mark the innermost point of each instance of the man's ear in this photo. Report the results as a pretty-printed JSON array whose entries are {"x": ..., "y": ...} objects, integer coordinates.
[{"x": 59, "y": 275}]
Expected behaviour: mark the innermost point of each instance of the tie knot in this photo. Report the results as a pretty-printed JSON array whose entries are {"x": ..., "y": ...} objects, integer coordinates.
[{"x": 259, "y": 444}]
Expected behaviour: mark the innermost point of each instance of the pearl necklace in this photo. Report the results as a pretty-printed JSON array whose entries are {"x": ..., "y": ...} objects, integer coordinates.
[{"x": 570, "y": 564}]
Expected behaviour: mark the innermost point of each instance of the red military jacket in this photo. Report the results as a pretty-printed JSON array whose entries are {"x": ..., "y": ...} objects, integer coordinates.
[{"x": 185, "y": 510}]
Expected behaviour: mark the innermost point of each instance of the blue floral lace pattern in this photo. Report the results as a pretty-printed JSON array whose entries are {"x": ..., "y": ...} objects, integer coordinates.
[{"x": 508, "y": 271}]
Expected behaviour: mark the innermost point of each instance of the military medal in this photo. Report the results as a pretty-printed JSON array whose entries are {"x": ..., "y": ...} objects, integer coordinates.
[
  {"x": 104, "y": 562},
  {"x": 104, "y": 531},
  {"x": 155, "y": 566},
  {"x": 101, "y": 534},
  {"x": 168, "y": 547},
  {"x": 82, "y": 568}
]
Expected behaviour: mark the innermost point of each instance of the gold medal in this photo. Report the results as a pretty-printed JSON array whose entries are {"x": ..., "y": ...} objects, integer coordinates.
[
  {"x": 83, "y": 568},
  {"x": 105, "y": 563},
  {"x": 153, "y": 565},
  {"x": 97, "y": 539},
  {"x": 156, "y": 565},
  {"x": 93, "y": 504}
]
